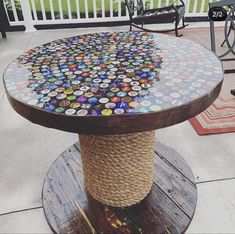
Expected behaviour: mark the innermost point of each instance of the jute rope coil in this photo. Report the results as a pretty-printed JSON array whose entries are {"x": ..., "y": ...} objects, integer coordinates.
[{"x": 118, "y": 169}]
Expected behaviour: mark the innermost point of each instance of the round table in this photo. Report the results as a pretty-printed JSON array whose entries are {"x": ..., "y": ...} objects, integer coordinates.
[{"x": 114, "y": 90}]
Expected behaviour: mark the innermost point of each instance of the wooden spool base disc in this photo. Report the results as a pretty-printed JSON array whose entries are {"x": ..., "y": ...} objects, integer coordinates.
[{"x": 168, "y": 208}]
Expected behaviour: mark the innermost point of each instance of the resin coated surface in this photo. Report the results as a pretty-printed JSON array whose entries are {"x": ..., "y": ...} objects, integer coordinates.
[{"x": 113, "y": 74}]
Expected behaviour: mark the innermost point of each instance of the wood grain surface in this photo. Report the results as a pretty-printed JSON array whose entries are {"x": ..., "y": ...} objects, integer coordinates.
[{"x": 168, "y": 208}]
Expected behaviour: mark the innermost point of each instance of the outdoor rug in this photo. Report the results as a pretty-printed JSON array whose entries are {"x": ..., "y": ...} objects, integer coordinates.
[{"x": 220, "y": 116}]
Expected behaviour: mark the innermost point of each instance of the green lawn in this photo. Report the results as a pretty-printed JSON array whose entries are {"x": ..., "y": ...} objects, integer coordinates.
[
  {"x": 73, "y": 5},
  {"x": 99, "y": 7}
]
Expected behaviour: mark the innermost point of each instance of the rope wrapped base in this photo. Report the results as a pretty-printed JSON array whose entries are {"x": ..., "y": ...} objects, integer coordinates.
[{"x": 118, "y": 169}]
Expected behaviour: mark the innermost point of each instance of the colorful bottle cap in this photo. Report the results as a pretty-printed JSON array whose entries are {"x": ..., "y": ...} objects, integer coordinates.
[
  {"x": 75, "y": 105},
  {"x": 82, "y": 112},
  {"x": 106, "y": 112}
]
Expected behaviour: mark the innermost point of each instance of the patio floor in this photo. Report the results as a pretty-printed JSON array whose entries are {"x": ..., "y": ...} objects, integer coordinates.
[{"x": 27, "y": 151}]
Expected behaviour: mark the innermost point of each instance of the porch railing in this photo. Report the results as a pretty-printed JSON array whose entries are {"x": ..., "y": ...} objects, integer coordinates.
[{"x": 44, "y": 12}]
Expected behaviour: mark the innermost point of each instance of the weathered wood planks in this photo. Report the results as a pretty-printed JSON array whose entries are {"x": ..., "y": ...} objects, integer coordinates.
[{"x": 167, "y": 209}]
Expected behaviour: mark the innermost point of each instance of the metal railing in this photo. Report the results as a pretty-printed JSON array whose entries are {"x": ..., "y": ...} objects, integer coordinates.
[{"x": 44, "y": 12}]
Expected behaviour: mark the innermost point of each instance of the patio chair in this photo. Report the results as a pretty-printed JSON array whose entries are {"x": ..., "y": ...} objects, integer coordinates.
[
  {"x": 230, "y": 19},
  {"x": 169, "y": 14},
  {"x": 4, "y": 24}
]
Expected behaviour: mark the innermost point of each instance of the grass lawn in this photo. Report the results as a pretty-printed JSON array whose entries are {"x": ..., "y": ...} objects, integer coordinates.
[
  {"x": 73, "y": 5},
  {"x": 99, "y": 6}
]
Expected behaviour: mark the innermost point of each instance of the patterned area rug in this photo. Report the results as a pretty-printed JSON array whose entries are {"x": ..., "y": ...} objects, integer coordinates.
[{"x": 220, "y": 116}]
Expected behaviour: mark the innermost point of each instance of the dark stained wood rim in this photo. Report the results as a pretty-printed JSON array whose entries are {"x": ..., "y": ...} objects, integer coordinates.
[{"x": 115, "y": 124}]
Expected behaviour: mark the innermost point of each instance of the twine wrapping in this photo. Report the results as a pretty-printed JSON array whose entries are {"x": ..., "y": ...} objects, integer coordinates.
[{"x": 118, "y": 169}]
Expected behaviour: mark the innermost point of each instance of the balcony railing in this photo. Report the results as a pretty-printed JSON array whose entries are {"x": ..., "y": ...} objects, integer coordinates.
[{"x": 44, "y": 12}]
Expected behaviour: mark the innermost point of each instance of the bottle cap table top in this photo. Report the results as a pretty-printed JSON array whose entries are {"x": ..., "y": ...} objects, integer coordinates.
[{"x": 113, "y": 76}]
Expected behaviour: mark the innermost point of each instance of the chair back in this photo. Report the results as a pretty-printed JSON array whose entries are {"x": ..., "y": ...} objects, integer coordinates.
[
  {"x": 134, "y": 5},
  {"x": 4, "y": 23},
  {"x": 221, "y": 3}
]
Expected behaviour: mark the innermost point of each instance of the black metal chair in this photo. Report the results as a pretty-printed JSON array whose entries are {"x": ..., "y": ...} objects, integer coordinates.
[
  {"x": 229, "y": 20},
  {"x": 169, "y": 14},
  {"x": 4, "y": 24},
  {"x": 229, "y": 23}
]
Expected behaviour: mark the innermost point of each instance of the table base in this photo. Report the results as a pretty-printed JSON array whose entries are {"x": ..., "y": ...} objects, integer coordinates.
[
  {"x": 118, "y": 169},
  {"x": 168, "y": 208}
]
